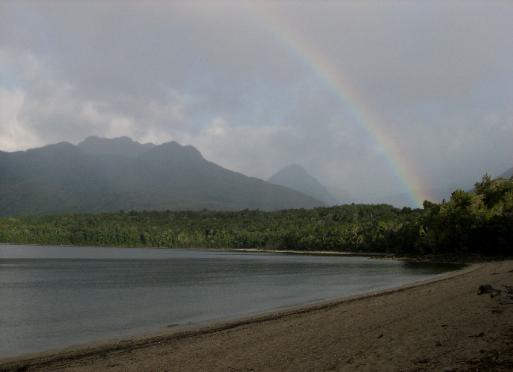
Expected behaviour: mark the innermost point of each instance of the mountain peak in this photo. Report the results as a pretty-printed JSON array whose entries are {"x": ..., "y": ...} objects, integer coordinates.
[
  {"x": 293, "y": 169},
  {"x": 295, "y": 177},
  {"x": 176, "y": 150},
  {"x": 120, "y": 146}
]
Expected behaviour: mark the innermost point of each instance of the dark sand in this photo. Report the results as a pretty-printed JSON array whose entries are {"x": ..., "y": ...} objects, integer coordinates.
[{"x": 435, "y": 326}]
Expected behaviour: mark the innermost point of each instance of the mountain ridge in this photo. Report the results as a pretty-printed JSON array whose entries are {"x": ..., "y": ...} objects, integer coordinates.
[
  {"x": 122, "y": 146},
  {"x": 295, "y": 177},
  {"x": 66, "y": 178}
]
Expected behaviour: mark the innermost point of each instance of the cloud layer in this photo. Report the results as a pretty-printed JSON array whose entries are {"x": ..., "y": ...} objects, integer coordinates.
[{"x": 220, "y": 76}]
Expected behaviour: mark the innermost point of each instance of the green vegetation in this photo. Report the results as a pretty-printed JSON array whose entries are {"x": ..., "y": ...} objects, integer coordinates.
[
  {"x": 479, "y": 222},
  {"x": 105, "y": 176}
]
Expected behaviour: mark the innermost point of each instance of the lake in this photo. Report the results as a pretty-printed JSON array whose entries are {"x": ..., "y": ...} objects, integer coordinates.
[{"x": 53, "y": 297}]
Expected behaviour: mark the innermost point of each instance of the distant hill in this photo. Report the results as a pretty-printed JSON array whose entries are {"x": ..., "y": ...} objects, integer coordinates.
[
  {"x": 297, "y": 178},
  {"x": 122, "y": 146},
  {"x": 507, "y": 174},
  {"x": 100, "y": 175}
]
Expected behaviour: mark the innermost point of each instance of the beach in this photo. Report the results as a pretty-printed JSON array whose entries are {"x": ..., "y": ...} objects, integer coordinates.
[{"x": 441, "y": 324}]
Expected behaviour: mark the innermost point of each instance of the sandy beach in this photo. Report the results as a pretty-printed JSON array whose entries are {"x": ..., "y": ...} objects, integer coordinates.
[{"x": 441, "y": 325}]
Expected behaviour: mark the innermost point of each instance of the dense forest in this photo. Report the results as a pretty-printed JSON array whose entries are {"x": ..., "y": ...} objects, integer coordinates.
[{"x": 475, "y": 222}]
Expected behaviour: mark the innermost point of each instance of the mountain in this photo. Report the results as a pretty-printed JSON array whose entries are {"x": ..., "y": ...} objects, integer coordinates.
[
  {"x": 507, "y": 174},
  {"x": 102, "y": 175},
  {"x": 122, "y": 146},
  {"x": 297, "y": 178}
]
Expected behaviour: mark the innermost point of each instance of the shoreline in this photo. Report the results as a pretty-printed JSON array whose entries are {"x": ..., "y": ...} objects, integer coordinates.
[
  {"x": 310, "y": 253},
  {"x": 235, "y": 250},
  {"x": 428, "y": 258},
  {"x": 179, "y": 332},
  {"x": 374, "y": 255},
  {"x": 432, "y": 258}
]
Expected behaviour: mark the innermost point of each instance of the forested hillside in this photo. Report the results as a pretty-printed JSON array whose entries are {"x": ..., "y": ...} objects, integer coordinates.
[
  {"x": 478, "y": 222},
  {"x": 106, "y": 175}
]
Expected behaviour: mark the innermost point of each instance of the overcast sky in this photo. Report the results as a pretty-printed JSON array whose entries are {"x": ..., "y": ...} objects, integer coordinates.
[{"x": 228, "y": 79}]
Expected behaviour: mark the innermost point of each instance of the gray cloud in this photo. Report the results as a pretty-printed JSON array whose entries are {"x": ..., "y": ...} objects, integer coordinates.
[{"x": 220, "y": 76}]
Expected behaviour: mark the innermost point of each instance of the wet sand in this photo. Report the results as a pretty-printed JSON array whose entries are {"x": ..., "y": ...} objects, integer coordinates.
[{"x": 433, "y": 326}]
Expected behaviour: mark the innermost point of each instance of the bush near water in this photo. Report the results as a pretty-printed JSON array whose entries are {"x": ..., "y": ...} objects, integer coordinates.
[{"x": 475, "y": 222}]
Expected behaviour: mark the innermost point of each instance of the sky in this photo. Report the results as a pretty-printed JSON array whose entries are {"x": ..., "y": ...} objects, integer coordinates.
[{"x": 373, "y": 98}]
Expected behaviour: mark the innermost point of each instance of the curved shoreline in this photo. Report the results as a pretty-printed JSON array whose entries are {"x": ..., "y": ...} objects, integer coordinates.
[
  {"x": 234, "y": 250},
  {"x": 113, "y": 346}
]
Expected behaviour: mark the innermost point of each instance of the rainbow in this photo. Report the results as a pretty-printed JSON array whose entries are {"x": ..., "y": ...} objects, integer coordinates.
[{"x": 339, "y": 85}]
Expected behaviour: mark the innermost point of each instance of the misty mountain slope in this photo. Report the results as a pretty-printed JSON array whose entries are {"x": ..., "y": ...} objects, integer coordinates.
[
  {"x": 93, "y": 177},
  {"x": 297, "y": 178},
  {"x": 404, "y": 199},
  {"x": 122, "y": 146},
  {"x": 507, "y": 174}
]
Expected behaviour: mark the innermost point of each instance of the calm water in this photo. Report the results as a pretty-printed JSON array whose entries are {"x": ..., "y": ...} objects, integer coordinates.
[{"x": 52, "y": 297}]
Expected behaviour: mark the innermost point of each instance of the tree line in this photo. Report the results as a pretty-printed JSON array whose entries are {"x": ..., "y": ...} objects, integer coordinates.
[{"x": 470, "y": 222}]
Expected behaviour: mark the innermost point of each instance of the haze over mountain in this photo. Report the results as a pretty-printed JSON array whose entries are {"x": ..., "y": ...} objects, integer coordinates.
[
  {"x": 507, "y": 174},
  {"x": 100, "y": 175},
  {"x": 405, "y": 200},
  {"x": 121, "y": 146},
  {"x": 297, "y": 178}
]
